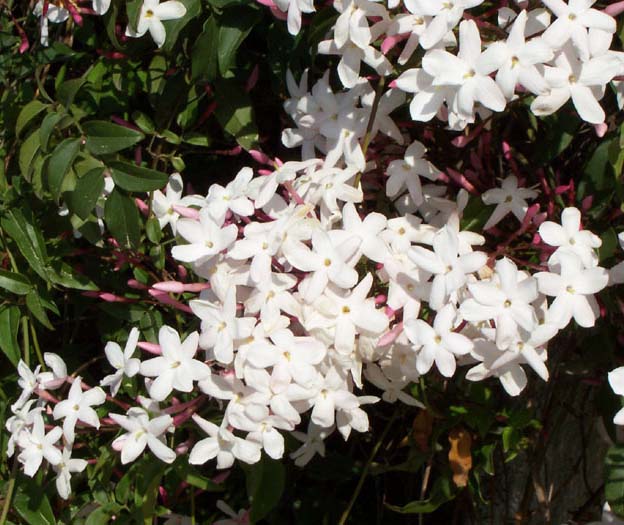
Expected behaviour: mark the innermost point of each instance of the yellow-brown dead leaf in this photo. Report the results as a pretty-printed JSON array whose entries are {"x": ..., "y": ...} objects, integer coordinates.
[{"x": 460, "y": 457}]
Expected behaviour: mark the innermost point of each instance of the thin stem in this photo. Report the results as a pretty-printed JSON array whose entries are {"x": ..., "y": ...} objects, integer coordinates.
[
  {"x": 371, "y": 121},
  {"x": 35, "y": 341},
  {"x": 360, "y": 484},
  {"x": 9, "y": 494},
  {"x": 26, "y": 341}
]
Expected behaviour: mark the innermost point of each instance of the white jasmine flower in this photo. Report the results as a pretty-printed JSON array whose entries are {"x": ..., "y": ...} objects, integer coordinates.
[
  {"x": 64, "y": 470},
  {"x": 517, "y": 59},
  {"x": 508, "y": 198},
  {"x": 468, "y": 73},
  {"x": 37, "y": 445},
  {"x": 151, "y": 17},
  {"x": 573, "y": 20},
  {"x": 406, "y": 173},
  {"x": 233, "y": 197},
  {"x": 439, "y": 343},
  {"x": 206, "y": 238},
  {"x": 141, "y": 432},
  {"x": 569, "y": 238},
  {"x": 77, "y": 407},
  {"x": 223, "y": 445},
  {"x": 175, "y": 368},
  {"x": 573, "y": 291},
  {"x": 163, "y": 203},
  {"x": 122, "y": 362},
  {"x": 448, "y": 267}
]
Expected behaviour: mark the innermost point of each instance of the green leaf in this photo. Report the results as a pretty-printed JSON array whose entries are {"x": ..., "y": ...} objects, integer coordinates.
[
  {"x": 234, "y": 112},
  {"x": 15, "y": 282},
  {"x": 48, "y": 125},
  {"x": 265, "y": 485},
  {"x": 614, "y": 484},
  {"x": 88, "y": 189},
  {"x": 235, "y": 24},
  {"x": 131, "y": 177},
  {"x": 29, "y": 240},
  {"x": 105, "y": 137},
  {"x": 64, "y": 275},
  {"x": 36, "y": 307},
  {"x": 204, "y": 61},
  {"x": 440, "y": 494},
  {"x": 133, "y": 11},
  {"x": 559, "y": 130},
  {"x": 32, "y": 504},
  {"x": 27, "y": 153},
  {"x": 174, "y": 27},
  {"x": 609, "y": 245},
  {"x": 68, "y": 90},
  {"x": 28, "y": 113},
  {"x": 61, "y": 160},
  {"x": 153, "y": 231},
  {"x": 598, "y": 170},
  {"x": 9, "y": 325},
  {"x": 122, "y": 219}
]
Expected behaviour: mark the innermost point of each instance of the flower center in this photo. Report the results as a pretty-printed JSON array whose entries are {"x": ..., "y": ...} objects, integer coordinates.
[
  {"x": 327, "y": 262},
  {"x": 469, "y": 74},
  {"x": 346, "y": 310},
  {"x": 437, "y": 339},
  {"x": 175, "y": 364},
  {"x": 514, "y": 61},
  {"x": 509, "y": 198},
  {"x": 507, "y": 303},
  {"x": 209, "y": 244},
  {"x": 149, "y": 13},
  {"x": 570, "y": 289}
]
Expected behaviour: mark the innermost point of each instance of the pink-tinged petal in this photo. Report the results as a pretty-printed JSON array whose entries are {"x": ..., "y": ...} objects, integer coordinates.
[{"x": 586, "y": 104}]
